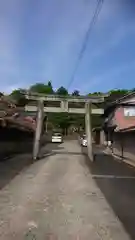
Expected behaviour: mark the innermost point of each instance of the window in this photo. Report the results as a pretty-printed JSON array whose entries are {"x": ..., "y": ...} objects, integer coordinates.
[
  {"x": 57, "y": 134},
  {"x": 129, "y": 112}
]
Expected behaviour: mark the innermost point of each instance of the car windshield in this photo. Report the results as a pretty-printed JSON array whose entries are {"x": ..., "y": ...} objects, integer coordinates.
[{"x": 57, "y": 134}]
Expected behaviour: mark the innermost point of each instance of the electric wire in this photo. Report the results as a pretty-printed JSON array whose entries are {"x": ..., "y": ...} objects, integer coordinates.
[{"x": 84, "y": 45}]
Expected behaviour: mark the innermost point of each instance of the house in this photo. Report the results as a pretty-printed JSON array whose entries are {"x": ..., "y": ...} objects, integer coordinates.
[{"x": 119, "y": 126}]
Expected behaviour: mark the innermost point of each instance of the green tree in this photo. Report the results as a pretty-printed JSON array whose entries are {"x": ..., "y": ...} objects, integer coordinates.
[
  {"x": 60, "y": 120},
  {"x": 95, "y": 93},
  {"x": 42, "y": 88},
  {"x": 1, "y": 94},
  {"x": 62, "y": 91},
  {"x": 76, "y": 93},
  {"x": 119, "y": 91},
  {"x": 50, "y": 84},
  {"x": 18, "y": 97},
  {"x": 115, "y": 94}
]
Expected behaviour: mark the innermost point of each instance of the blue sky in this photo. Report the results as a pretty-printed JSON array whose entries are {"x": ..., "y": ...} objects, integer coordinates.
[{"x": 40, "y": 41}]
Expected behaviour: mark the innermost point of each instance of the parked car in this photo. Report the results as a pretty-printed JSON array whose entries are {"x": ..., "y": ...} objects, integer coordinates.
[
  {"x": 57, "y": 138},
  {"x": 84, "y": 140}
]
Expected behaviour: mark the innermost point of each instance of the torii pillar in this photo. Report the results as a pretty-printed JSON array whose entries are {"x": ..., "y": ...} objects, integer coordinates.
[
  {"x": 88, "y": 130},
  {"x": 38, "y": 132}
]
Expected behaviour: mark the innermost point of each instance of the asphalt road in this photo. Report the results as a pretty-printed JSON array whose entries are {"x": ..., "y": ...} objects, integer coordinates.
[{"x": 63, "y": 196}]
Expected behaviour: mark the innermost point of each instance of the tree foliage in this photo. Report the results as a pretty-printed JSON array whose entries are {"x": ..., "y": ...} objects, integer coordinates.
[
  {"x": 18, "y": 97},
  {"x": 96, "y": 93},
  {"x": 119, "y": 91},
  {"x": 76, "y": 93},
  {"x": 62, "y": 91},
  {"x": 1, "y": 94},
  {"x": 65, "y": 120},
  {"x": 42, "y": 88}
]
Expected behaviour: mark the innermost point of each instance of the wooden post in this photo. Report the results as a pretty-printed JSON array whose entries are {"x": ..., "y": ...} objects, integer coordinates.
[
  {"x": 88, "y": 130},
  {"x": 38, "y": 131}
]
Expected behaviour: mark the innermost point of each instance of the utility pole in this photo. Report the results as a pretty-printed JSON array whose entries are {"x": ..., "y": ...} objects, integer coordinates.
[
  {"x": 88, "y": 130},
  {"x": 38, "y": 132}
]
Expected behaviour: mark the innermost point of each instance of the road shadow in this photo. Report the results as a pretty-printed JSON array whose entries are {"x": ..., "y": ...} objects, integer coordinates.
[
  {"x": 47, "y": 154},
  {"x": 12, "y": 167},
  {"x": 48, "y": 150},
  {"x": 56, "y": 149},
  {"x": 21, "y": 143},
  {"x": 13, "y": 141},
  {"x": 17, "y": 162},
  {"x": 116, "y": 180}
]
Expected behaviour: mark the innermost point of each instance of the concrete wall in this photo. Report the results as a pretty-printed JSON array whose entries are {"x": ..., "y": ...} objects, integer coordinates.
[
  {"x": 102, "y": 137},
  {"x": 124, "y": 145},
  {"x": 13, "y": 141}
]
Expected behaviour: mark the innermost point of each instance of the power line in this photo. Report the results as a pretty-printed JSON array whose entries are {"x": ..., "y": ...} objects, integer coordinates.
[{"x": 91, "y": 25}]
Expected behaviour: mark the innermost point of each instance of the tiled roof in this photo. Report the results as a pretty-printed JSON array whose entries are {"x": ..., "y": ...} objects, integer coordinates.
[
  {"x": 113, "y": 97},
  {"x": 23, "y": 123},
  {"x": 115, "y": 100},
  {"x": 8, "y": 115}
]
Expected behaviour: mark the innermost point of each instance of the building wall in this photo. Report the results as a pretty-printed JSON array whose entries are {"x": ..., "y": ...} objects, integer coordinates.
[
  {"x": 119, "y": 119},
  {"x": 129, "y": 146},
  {"x": 123, "y": 121},
  {"x": 117, "y": 144},
  {"x": 124, "y": 145},
  {"x": 124, "y": 142}
]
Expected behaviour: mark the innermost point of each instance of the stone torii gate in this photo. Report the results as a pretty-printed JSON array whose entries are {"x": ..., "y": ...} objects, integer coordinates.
[{"x": 64, "y": 102}]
